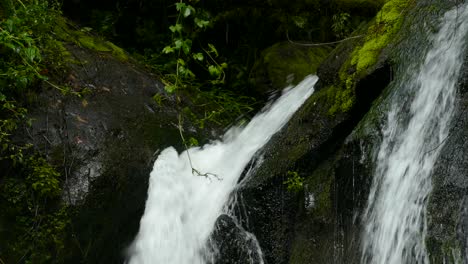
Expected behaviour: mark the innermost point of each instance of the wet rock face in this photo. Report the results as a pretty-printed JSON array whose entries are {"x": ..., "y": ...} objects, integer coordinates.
[
  {"x": 447, "y": 208},
  {"x": 336, "y": 179},
  {"x": 232, "y": 244},
  {"x": 104, "y": 143},
  {"x": 115, "y": 106}
]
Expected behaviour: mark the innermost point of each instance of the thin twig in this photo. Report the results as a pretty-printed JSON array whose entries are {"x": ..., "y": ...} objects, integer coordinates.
[
  {"x": 320, "y": 44},
  {"x": 194, "y": 171}
]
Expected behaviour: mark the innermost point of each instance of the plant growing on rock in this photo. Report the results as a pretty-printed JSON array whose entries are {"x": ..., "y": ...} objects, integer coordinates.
[
  {"x": 294, "y": 182},
  {"x": 190, "y": 22}
]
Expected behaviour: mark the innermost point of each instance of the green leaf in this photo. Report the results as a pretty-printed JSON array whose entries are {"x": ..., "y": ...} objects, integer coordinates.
[
  {"x": 224, "y": 65},
  {"x": 178, "y": 44},
  {"x": 168, "y": 49},
  {"x": 176, "y": 28},
  {"x": 192, "y": 142},
  {"x": 31, "y": 53},
  {"x": 11, "y": 46},
  {"x": 187, "y": 11},
  {"x": 170, "y": 88},
  {"x": 214, "y": 71},
  {"x": 9, "y": 25},
  {"x": 198, "y": 56},
  {"x": 187, "y": 46},
  {"x": 201, "y": 23},
  {"x": 180, "y": 61},
  {"x": 180, "y": 6},
  {"x": 213, "y": 49}
]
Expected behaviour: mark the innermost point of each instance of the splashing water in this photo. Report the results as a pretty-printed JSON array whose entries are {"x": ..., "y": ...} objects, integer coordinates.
[
  {"x": 182, "y": 208},
  {"x": 395, "y": 224}
]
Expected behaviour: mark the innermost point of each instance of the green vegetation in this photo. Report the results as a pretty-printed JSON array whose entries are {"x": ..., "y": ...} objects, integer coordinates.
[
  {"x": 379, "y": 34},
  {"x": 387, "y": 23},
  {"x": 294, "y": 182},
  {"x": 206, "y": 52},
  {"x": 286, "y": 64},
  {"x": 33, "y": 220}
]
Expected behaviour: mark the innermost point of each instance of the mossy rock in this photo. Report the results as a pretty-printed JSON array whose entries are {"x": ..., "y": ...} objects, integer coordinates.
[
  {"x": 286, "y": 64},
  {"x": 65, "y": 33}
]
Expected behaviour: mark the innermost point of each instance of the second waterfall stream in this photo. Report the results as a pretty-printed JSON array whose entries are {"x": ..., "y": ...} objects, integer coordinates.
[
  {"x": 182, "y": 207},
  {"x": 417, "y": 126}
]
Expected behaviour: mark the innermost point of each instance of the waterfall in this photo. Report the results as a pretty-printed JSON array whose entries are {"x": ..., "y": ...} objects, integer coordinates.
[
  {"x": 182, "y": 208},
  {"x": 416, "y": 129}
]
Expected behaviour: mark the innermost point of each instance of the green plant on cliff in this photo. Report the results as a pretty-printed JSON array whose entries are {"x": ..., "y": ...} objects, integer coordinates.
[
  {"x": 189, "y": 23},
  {"x": 294, "y": 182},
  {"x": 32, "y": 210},
  {"x": 33, "y": 220},
  {"x": 341, "y": 25},
  {"x": 380, "y": 33},
  {"x": 196, "y": 68}
]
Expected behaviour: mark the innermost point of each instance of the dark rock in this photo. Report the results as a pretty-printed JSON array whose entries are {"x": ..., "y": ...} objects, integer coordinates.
[{"x": 234, "y": 245}]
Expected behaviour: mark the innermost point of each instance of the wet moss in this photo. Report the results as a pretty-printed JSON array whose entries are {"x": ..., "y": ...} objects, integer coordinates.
[
  {"x": 381, "y": 32},
  {"x": 286, "y": 64},
  {"x": 318, "y": 184},
  {"x": 65, "y": 34},
  {"x": 94, "y": 43},
  {"x": 301, "y": 251}
]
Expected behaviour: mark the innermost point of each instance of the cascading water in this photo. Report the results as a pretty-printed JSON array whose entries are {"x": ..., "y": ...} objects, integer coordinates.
[
  {"x": 395, "y": 223},
  {"x": 182, "y": 208}
]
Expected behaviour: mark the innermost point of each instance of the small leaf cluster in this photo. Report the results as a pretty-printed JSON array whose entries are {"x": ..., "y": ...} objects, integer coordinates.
[
  {"x": 31, "y": 206},
  {"x": 294, "y": 182},
  {"x": 341, "y": 26},
  {"x": 23, "y": 34},
  {"x": 190, "y": 22},
  {"x": 219, "y": 106}
]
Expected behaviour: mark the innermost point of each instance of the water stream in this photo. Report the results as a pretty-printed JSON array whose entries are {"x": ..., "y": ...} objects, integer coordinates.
[
  {"x": 395, "y": 218},
  {"x": 182, "y": 208}
]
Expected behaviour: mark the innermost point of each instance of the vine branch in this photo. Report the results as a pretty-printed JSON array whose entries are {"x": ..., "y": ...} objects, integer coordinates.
[
  {"x": 194, "y": 171},
  {"x": 320, "y": 44}
]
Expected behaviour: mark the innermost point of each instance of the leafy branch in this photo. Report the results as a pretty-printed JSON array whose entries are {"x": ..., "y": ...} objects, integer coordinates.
[{"x": 189, "y": 23}]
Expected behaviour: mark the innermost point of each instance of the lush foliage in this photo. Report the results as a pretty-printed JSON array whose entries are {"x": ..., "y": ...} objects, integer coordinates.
[
  {"x": 33, "y": 221},
  {"x": 195, "y": 67}
]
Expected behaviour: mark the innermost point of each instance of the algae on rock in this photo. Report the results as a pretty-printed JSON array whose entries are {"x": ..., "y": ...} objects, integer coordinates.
[{"x": 286, "y": 64}]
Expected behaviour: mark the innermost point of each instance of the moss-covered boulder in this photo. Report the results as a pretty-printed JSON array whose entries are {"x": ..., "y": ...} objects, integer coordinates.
[{"x": 286, "y": 64}]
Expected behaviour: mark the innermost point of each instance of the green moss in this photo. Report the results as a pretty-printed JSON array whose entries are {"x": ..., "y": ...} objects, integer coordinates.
[
  {"x": 94, "y": 43},
  {"x": 319, "y": 184},
  {"x": 302, "y": 252},
  {"x": 341, "y": 98},
  {"x": 387, "y": 23},
  {"x": 285, "y": 63},
  {"x": 83, "y": 39},
  {"x": 380, "y": 33}
]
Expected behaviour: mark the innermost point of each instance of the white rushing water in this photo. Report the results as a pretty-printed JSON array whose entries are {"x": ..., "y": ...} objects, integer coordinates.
[
  {"x": 182, "y": 208},
  {"x": 395, "y": 223}
]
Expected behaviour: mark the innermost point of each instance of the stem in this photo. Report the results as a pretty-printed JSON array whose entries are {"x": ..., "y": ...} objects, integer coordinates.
[
  {"x": 22, "y": 4},
  {"x": 320, "y": 44},
  {"x": 194, "y": 171}
]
